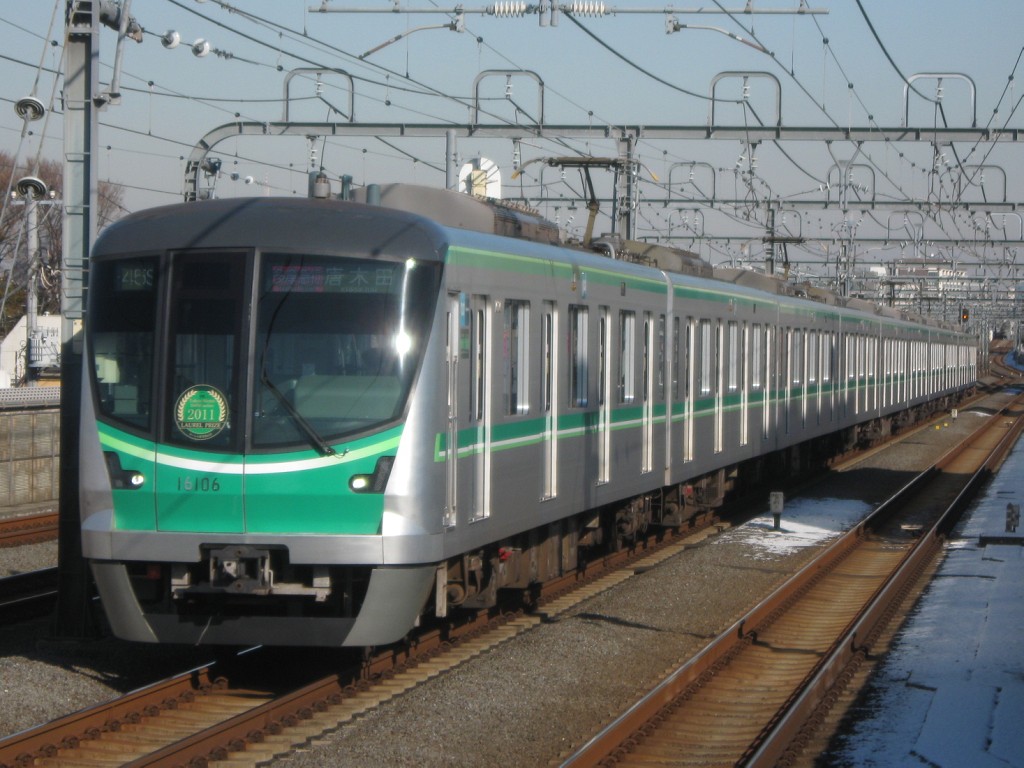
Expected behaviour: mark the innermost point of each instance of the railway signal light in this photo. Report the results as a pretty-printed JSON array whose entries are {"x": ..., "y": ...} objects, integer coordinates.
[{"x": 964, "y": 314}]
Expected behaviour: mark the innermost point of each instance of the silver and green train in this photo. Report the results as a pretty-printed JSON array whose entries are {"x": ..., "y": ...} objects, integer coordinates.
[{"x": 315, "y": 422}]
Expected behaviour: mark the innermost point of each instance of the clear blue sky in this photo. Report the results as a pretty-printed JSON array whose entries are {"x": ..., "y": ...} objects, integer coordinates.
[{"x": 614, "y": 69}]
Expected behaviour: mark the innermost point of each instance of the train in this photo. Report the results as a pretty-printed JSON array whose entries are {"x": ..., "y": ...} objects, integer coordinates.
[{"x": 321, "y": 422}]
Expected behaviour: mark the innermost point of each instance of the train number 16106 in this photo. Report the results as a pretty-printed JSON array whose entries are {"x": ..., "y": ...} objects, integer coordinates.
[{"x": 198, "y": 484}]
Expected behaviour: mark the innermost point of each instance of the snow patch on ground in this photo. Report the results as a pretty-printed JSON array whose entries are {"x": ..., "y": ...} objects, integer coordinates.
[{"x": 803, "y": 523}]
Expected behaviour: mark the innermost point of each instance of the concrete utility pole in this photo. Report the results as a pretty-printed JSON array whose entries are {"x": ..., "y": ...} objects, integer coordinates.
[
  {"x": 32, "y": 299},
  {"x": 81, "y": 67}
]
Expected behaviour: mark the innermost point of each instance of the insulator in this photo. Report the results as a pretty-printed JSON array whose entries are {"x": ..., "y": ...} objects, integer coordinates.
[
  {"x": 30, "y": 108},
  {"x": 508, "y": 8},
  {"x": 32, "y": 187},
  {"x": 585, "y": 8},
  {"x": 171, "y": 39}
]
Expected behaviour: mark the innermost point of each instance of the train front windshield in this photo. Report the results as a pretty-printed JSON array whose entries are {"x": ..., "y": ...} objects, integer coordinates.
[{"x": 292, "y": 350}]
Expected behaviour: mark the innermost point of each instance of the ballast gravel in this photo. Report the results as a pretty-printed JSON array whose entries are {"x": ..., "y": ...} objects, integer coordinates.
[{"x": 528, "y": 701}]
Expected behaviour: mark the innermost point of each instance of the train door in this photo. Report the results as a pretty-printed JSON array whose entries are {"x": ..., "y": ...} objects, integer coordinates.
[
  {"x": 767, "y": 388},
  {"x": 204, "y": 345},
  {"x": 787, "y": 369},
  {"x": 814, "y": 375},
  {"x": 745, "y": 387},
  {"x": 689, "y": 390},
  {"x": 452, "y": 355},
  {"x": 800, "y": 383},
  {"x": 479, "y": 479},
  {"x": 704, "y": 381},
  {"x": 756, "y": 375},
  {"x": 469, "y": 449},
  {"x": 604, "y": 400},
  {"x": 671, "y": 397},
  {"x": 647, "y": 450},
  {"x": 735, "y": 386},
  {"x": 828, "y": 373},
  {"x": 719, "y": 385},
  {"x": 549, "y": 400},
  {"x": 772, "y": 366}
]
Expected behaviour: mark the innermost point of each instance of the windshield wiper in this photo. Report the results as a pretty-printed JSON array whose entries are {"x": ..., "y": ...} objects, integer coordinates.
[{"x": 307, "y": 429}]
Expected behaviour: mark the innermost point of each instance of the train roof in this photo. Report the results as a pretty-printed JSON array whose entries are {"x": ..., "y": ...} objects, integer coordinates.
[
  {"x": 247, "y": 222},
  {"x": 423, "y": 220}
]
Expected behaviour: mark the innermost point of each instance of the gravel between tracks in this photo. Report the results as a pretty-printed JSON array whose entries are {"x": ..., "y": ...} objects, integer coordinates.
[
  {"x": 15, "y": 560},
  {"x": 525, "y": 702}
]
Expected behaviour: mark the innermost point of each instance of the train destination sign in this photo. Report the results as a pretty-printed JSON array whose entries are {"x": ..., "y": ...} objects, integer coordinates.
[{"x": 357, "y": 277}]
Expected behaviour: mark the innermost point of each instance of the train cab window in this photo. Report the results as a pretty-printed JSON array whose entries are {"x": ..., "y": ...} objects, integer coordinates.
[
  {"x": 578, "y": 368},
  {"x": 337, "y": 342},
  {"x": 517, "y": 357},
  {"x": 122, "y": 337}
]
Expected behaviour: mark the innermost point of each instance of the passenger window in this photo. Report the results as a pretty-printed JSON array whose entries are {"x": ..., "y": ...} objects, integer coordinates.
[
  {"x": 517, "y": 357},
  {"x": 578, "y": 395},
  {"x": 734, "y": 356},
  {"x": 627, "y": 357},
  {"x": 705, "y": 357}
]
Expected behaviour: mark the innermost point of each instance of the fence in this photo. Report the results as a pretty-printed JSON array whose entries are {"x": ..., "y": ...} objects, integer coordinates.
[{"x": 29, "y": 453}]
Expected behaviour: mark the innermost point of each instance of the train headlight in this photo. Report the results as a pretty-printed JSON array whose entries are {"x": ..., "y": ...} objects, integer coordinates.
[
  {"x": 376, "y": 482},
  {"x": 121, "y": 478}
]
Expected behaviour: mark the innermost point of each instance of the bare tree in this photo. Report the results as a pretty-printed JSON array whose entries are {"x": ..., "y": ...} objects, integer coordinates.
[{"x": 15, "y": 269}]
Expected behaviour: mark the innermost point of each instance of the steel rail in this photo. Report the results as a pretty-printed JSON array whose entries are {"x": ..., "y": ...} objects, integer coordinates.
[
  {"x": 25, "y": 595},
  {"x": 853, "y": 644},
  {"x": 23, "y": 748},
  {"x": 780, "y": 728},
  {"x": 28, "y": 529}
]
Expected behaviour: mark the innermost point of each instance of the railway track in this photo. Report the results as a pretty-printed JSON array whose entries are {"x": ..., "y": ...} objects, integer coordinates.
[
  {"x": 272, "y": 724},
  {"x": 28, "y": 529},
  {"x": 173, "y": 723},
  {"x": 27, "y": 595},
  {"x": 754, "y": 696}
]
